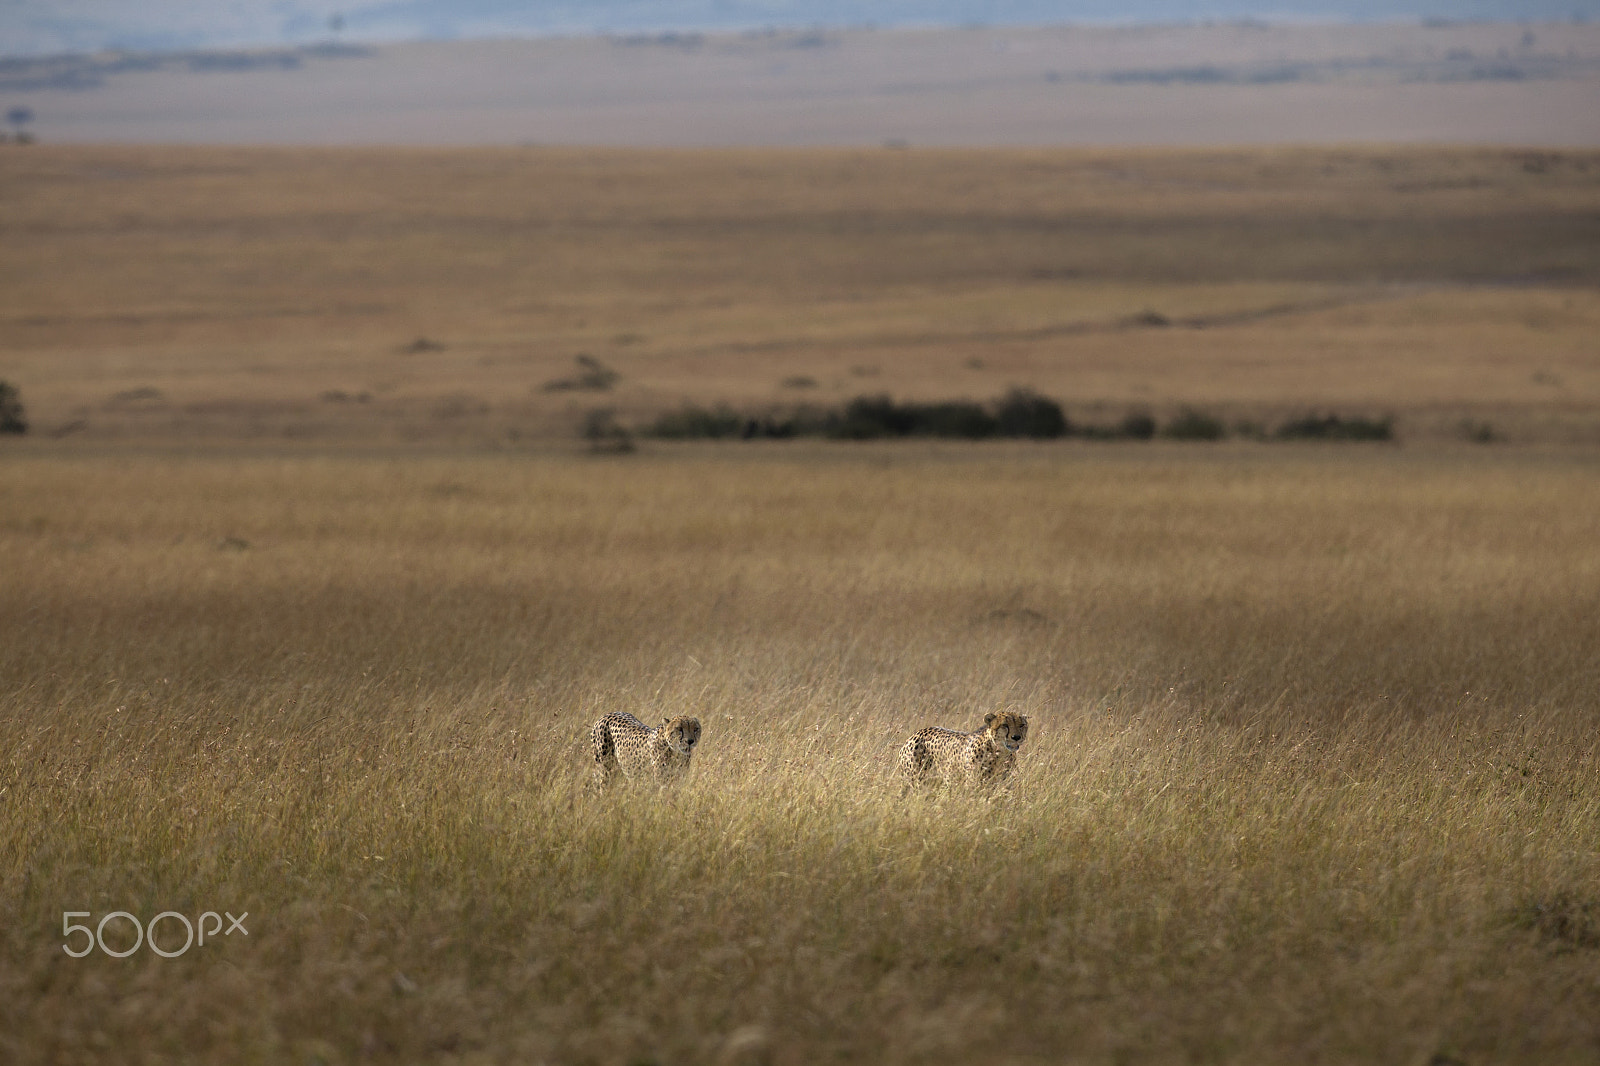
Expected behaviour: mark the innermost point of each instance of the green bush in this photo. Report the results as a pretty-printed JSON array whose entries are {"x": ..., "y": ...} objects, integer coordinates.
[
  {"x": 1249, "y": 429},
  {"x": 1190, "y": 424},
  {"x": 871, "y": 417},
  {"x": 12, "y": 419},
  {"x": 593, "y": 376},
  {"x": 1024, "y": 413},
  {"x": 1138, "y": 425},
  {"x": 1333, "y": 427},
  {"x": 605, "y": 434},
  {"x": 951, "y": 418},
  {"x": 698, "y": 423}
]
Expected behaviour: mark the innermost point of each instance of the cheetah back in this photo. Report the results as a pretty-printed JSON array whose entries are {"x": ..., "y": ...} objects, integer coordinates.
[
  {"x": 983, "y": 757},
  {"x": 625, "y": 745}
]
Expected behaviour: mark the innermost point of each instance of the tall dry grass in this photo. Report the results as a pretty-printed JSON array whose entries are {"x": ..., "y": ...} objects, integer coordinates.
[{"x": 1313, "y": 772}]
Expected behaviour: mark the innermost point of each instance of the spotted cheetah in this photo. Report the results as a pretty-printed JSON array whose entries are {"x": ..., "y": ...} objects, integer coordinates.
[
  {"x": 981, "y": 759},
  {"x": 623, "y": 744}
]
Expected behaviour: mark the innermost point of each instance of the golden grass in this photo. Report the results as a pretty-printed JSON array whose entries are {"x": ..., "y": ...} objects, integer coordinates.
[
  {"x": 1313, "y": 773},
  {"x": 218, "y": 294}
]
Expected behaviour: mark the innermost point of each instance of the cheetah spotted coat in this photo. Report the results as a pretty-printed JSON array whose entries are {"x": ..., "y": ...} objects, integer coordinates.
[
  {"x": 625, "y": 745},
  {"x": 980, "y": 759}
]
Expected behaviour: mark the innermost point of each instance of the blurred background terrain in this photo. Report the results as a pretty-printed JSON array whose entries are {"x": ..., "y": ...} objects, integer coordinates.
[
  {"x": 1191, "y": 84},
  {"x": 499, "y": 296}
]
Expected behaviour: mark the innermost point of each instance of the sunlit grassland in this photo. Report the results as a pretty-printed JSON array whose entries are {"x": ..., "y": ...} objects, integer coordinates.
[{"x": 1312, "y": 775}]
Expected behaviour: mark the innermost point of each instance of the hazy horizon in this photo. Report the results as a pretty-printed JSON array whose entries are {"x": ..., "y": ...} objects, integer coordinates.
[
  {"x": 1230, "y": 83},
  {"x": 38, "y": 27}
]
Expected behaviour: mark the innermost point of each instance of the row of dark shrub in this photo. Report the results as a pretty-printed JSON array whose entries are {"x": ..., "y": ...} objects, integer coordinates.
[{"x": 1020, "y": 414}]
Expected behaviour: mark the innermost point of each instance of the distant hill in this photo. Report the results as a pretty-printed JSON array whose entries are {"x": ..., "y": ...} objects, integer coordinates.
[
  {"x": 45, "y": 27},
  {"x": 1229, "y": 83}
]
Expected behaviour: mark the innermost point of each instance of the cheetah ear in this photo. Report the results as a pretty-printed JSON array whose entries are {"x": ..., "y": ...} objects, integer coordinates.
[
  {"x": 988, "y": 719},
  {"x": 665, "y": 719}
]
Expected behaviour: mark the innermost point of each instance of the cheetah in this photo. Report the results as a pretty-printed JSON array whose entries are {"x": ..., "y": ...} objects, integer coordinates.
[
  {"x": 625, "y": 745},
  {"x": 981, "y": 759}
]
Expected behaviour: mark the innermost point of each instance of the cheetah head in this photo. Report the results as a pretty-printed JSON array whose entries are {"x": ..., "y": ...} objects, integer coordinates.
[
  {"x": 682, "y": 733},
  {"x": 1008, "y": 729}
]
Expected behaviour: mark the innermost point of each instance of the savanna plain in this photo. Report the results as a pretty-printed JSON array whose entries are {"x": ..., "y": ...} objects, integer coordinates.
[{"x": 312, "y": 588}]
